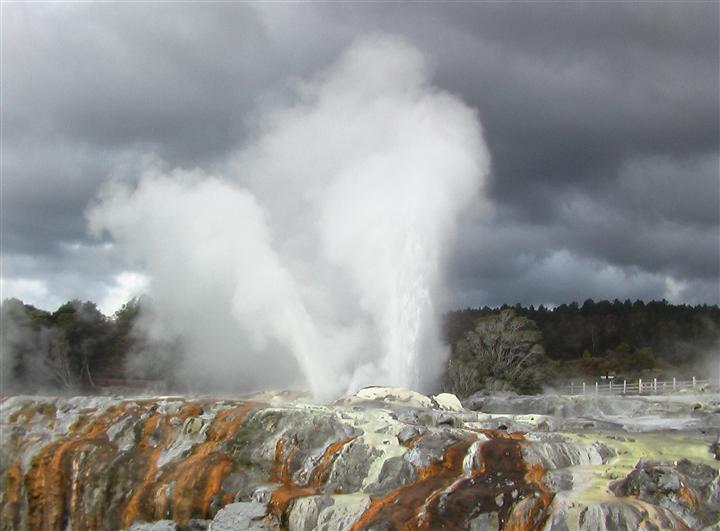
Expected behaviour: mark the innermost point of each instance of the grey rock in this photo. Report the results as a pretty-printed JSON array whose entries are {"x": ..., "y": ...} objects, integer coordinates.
[
  {"x": 566, "y": 513},
  {"x": 406, "y": 415},
  {"x": 433, "y": 418},
  {"x": 351, "y": 466},
  {"x": 605, "y": 452},
  {"x": 686, "y": 489},
  {"x": 340, "y": 517},
  {"x": 668, "y": 481},
  {"x": 309, "y": 432},
  {"x": 715, "y": 449},
  {"x": 697, "y": 475},
  {"x": 160, "y": 525},
  {"x": 612, "y": 517},
  {"x": 597, "y": 410},
  {"x": 484, "y": 522},
  {"x": 561, "y": 454},
  {"x": 239, "y": 516},
  {"x": 304, "y": 512},
  {"x": 431, "y": 448},
  {"x": 395, "y": 472},
  {"x": 559, "y": 480},
  {"x": 238, "y": 483},
  {"x": 446, "y": 401},
  {"x": 409, "y": 432}
]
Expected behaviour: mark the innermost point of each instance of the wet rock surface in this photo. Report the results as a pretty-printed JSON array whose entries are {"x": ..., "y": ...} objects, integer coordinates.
[
  {"x": 384, "y": 458},
  {"x": 242, "y": 515},
  {"x": 689, "y": 490}
]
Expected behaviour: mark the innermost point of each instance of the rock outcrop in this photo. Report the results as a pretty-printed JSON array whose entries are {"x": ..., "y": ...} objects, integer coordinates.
[
  {"x": 689, "y": 490},
  {"x": 384, "y": 458}
]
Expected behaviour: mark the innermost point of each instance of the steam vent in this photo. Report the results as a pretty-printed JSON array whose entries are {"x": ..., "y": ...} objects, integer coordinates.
[{"x": 382, "y": 459}]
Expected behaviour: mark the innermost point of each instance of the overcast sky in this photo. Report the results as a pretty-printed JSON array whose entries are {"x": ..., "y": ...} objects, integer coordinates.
[{"x": 601, "y": 120}]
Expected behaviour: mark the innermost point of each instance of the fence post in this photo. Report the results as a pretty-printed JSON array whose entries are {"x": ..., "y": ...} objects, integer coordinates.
[
  {"x": 640, "y": 386},
  {"x": 583, "y": 388},
  {"x": 624, "y": 386},
  {"x": 694, "y": 382},
  {"x": 655, "y": 385},
  {"x": 596, "y": 388},
  {"x": 674, "y": 384}
]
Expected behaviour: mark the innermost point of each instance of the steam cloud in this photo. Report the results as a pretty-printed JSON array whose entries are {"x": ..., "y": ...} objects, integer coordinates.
[{"x": 316, "y": 256}]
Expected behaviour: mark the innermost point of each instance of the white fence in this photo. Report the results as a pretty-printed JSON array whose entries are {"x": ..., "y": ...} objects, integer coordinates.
[{"x": 637, "y": 387}]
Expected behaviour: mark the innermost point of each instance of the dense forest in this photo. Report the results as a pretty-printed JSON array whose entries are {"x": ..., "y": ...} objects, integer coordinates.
[
  {"x": 78, "y": 348},
  {"x": 603, "y": 337}
]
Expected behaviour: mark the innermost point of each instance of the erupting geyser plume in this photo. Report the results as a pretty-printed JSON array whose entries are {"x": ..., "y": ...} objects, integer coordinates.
[{"x": 315, "y": 257}]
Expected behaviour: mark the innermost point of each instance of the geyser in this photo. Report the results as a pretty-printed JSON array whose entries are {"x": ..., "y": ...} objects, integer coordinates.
[{"x": 314, "y": 255}]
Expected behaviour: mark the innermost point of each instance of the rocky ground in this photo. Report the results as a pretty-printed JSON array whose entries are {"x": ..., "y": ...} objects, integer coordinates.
[{"x": 381, "y": 459}]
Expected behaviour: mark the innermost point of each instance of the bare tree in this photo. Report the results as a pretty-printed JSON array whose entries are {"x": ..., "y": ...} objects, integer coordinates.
[
  {"x": 461, "y": 379},
  {"x": 502, "y": 348},
  {"x": 57, "y": 358}
]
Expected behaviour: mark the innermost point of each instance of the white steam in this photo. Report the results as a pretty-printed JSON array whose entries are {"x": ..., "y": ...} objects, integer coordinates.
[{"x": 320, "y": 250}]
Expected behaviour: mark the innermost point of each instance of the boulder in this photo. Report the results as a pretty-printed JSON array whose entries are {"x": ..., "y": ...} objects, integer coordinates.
[
  {"x": 351, "y": 467},
  {"x": 689, "y": 490},
  {"x": 395, "y": 472},
  {"x": 344, "y": 512},
  {"x": 448, "y": 402},
  {"x": 304, "y": 512},
  {"x": 239, "y": 516}
]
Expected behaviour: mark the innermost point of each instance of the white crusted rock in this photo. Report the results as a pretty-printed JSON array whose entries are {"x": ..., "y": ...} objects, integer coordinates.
[{"x": 448, "y": 402}]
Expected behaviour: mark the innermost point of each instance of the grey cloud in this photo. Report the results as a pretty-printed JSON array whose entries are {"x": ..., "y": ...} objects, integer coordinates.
[
  {"x": 685, "y": 191},
  {"x": 75, "y": 271},
  {"x": 46, "y": 188},
  {"x": 565, "y": 278},
  {"x": 601, "y": 119},
  {"x": 177, "y": 78}
]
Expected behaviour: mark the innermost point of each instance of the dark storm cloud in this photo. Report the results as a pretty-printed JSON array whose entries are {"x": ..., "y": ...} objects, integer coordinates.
[
  {"x": 601, "y": 118},
  {"x": 110, "y": 75},
  {"x": 46, "y": 187},
  {"x": 568, "y": 93}
]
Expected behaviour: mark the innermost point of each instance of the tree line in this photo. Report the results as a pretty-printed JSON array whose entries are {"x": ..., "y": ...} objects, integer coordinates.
[
  {"x": 676, "y": 333},
  {"x": 600, "y": 338},
  {"x": 510, "y": 347}
]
